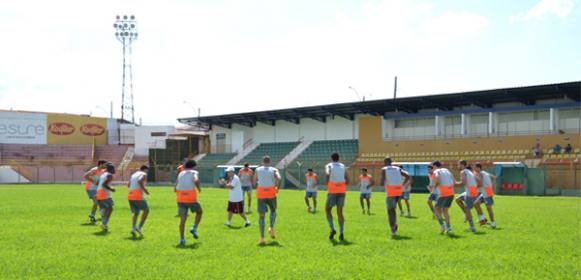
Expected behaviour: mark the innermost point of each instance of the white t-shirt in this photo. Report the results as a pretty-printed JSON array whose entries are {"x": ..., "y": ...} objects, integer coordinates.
[
  {"x": 470, "y": 179},
  {"x": 336, "y": 170},
  {"x": 393, "y": 175},
  {"x": 445, "y": 178},
  {"x": 135, "y": 178},
  {"x": 102, "y": 181},
  {"x": 486, "y": 182},
  {"x": 186, "y": 180},
  {"x": 364, "y": 183},
  {"x": 236, "y": 194},
  {"x": 265, "y": 176}
]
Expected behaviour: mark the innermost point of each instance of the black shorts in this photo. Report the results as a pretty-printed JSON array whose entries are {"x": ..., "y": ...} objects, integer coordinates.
[{"x": 235, "y": 207}]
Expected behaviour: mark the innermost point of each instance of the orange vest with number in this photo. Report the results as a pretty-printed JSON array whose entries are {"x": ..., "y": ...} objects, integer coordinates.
[
  {"x": 266, "y": 192},
  {"x": 188, "y": 196},
  {"x": 446, "y": 191},
  {"x": 337, "y": 187}
]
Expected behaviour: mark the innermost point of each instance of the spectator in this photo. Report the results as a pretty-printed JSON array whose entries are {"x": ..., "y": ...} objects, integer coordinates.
[
  {"x": 568, "y": 148},
  {"x": 557, "y": 149},
  {"x": 537, "y": 150}
]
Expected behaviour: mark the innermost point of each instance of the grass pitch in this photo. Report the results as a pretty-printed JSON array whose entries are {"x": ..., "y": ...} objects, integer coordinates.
[{"x": 45, "y": 233}]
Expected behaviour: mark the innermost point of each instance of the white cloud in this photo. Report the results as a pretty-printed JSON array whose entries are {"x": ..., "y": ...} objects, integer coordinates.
[{"x": 559, "y": 8}]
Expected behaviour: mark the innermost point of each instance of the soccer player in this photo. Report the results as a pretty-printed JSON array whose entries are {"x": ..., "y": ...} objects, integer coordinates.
[
  {"x": 137, "y": 201},
  {"x": 468, "y": 181},
  {"x": 431, "y": 188},
  {"x": 393, "y": 178},
  {"x": 365, "y": 187},
  {"x": 337, "y": 180},
  {"x": 311, "y": 190},
  {"x": 104, "y": 198},
  {"x": 245, "y": 175},
  {"x": 236, "y": 197},
  {"x": 267, "y": 181},
  {"x": 444, "y": 188},
  {"x": 407, "y": 189},
  {"x": 92, "y": 183},
  {"x": 187, "y": 189},
  {"x": 486, "y": 181}
]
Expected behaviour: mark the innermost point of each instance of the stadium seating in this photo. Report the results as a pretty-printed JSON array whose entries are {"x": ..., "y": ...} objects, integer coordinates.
[
  {"x": 276, "y": 151},
  {"x": 318, "y": 154},
  {"x": 212, "y": 160}
]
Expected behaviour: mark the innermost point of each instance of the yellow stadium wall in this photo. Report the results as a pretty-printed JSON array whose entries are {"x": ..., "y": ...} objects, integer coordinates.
[
  {"x": 371, "y": 141},
  {"x": 72, "y": 129}
]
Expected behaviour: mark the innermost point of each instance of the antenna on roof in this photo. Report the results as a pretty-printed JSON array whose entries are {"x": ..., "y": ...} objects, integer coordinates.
[{"x": 395, "y": 87}]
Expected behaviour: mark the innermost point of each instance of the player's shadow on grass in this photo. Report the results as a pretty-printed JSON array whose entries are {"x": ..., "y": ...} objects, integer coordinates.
[
  {"x": 101, "y": 233},
  {"x": 134, "y": 238},
  {"x": 341, "y": 242},
  {"x": 88, "y": 224},
  {"x": 234, "y": 227},
  {"x": 401, "y": 237},
  {"x": 270, "y": 244},
  {"x": 410, "y": 217},
  {"x": 453, "y": 236},
  {"x": 189, "y": 246},
  {"x": 479, "y": 233}
]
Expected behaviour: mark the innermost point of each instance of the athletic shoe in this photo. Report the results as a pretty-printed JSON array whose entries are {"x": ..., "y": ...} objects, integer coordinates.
[
  {"x": 272, "y": 233},
  {"x": 471, "y": 229},
  {"x": 261, "y": 241},
  {"x": 194, "y": 233},
  {"x": 493, "y": 225},
  {"x": 483, "y": 222},
  {"x": 394, "y": 231},
  {"x": 182, "y": 242},
  {"x": 341, "y": 237},
  {"x": 442, "y": 229},
  {"x": 92, "y": 218},
  {"x": 133, "y": 232},
  {"x": 138, "y": 230},
  {"x": 314, "y": 210},
  {"x": 228, "y": 223},
  {"x": 449, "y": 231},
  {"x": 308, "y": 209},
  {"x": 332, "y": 234},
  {"x": 401, "y": 214},
  {"x": 105, "y": 227},
  {"x": 409, "y": 214},
  {"x": 247, "y": 224}
]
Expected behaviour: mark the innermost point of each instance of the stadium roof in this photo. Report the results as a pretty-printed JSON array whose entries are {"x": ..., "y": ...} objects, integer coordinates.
[{"x": 443, "y": 102}]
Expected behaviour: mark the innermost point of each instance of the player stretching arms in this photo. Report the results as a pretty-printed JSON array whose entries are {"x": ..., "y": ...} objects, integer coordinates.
[
  {"x": 187, "y": 189},
  {"x": 486, "y": 181},
  {"x": 365, "y": 187},
  {"x": 393, "y": 178},
  {"x": 235, "y": 198},
  {"x": 104, "y": 198},
  {"x": 311, "y": 190},
  {"x": 337, "y": 180},
  {"x": 444, "y": 184},
  {"x": 245, "y": 175},
  {"x": 137, "y": 200},
  {"x": 267, "y": 180},
  {"x": 92, "y": 183}
]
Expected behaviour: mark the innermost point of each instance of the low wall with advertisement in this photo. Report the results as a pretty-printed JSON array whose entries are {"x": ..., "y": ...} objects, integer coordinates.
[
  {"x": 22, "y": 128},
  {"x": 74, "y": 129}
]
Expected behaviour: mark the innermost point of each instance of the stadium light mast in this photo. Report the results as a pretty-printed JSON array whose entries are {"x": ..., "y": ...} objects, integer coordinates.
[{"x": 126, "y": 32}]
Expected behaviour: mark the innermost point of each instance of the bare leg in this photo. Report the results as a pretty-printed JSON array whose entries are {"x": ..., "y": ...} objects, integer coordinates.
[
  {"x": 143, "y": 218},
  {"x": 307, "y": 202},
  {"x": 407, "y": 204},
  {"x": 368, "y": 200},
  {"x": 134, "y": 220},
  {"x": 315, "y": 202},
  {"x": 330, "y": 218},
  {"x": 361, "y": 202},
  {"x": 446, "y": 217},
  {"x": 198, "y": 218},
  {"x": 94, "y": 208},
  {"x": 431, "y": 205},
  {"x": 341, "y": 219},
  {"x": 490, "y": 213},
  {"x": 249, "y": 195},
  {"x": 230, "y": 216},
  {"x": 183, "y": 219},
  {"x": 399, "y": 206}
]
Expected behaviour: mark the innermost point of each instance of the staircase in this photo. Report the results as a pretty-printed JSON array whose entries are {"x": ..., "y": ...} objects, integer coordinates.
[
  {"x": 247, "y": 150},
  {"x": 298, "y": 150},
  {"x": 199, "y": 157},
  {"x": 292, "y": 179},
  {"x": 127, "y": 158}
]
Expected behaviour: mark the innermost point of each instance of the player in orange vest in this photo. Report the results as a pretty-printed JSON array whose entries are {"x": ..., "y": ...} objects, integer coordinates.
[
  {"x": 312, "y": 183},
  {"x": 444, "y": 189},
  {"x": 245, "y": 174},
  {"x": 104, "y": 197},
  {"x": 487, "y": 182},
  {"x": 337, "y": 180},
  {"x": 432, "y": 189},
  {"x": 393, "y": 179},
  {"x": 365, "y": 188},
  {"x": 466, "y": 200},
  {"x": 267, "y": 181},
  {"x": 91, "y": 178},
  {"x": 136, "y": 198},
  {"x": 187, "y": 189},
  {"x": 407, "y": 188}
]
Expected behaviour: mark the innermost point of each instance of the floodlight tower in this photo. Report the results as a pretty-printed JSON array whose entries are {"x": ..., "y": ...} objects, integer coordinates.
[{"x": 126, "y": 32}]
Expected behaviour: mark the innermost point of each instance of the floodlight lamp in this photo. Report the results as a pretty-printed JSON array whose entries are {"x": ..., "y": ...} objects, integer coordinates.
[
  {"x": 125, "y": 17},
  {"x": 132, "y": 17},
  {"x": 117, "y": 17},
  {"x": 132, "y": 25}
]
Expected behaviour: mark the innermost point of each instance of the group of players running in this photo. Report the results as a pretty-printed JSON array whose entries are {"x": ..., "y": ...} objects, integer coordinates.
[{"x": 477, "y": 183}]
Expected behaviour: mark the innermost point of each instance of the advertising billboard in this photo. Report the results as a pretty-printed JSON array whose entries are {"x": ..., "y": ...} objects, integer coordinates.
[
  {"x": 22, "y": 128},
  {"x": 73, "y": 129}
]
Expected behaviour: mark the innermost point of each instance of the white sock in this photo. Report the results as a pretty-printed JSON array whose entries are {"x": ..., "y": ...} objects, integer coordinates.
[{"x": 481, "y": 217}]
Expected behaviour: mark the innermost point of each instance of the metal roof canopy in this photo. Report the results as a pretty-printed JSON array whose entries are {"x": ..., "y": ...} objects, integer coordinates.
[{"x": 443, "y": 102}]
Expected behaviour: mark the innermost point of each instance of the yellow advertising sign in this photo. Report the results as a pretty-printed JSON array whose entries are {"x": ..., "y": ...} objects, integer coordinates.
[{"x": 72, "y": 129}]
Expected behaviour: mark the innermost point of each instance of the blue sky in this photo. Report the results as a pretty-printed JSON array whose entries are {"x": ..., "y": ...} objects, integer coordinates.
[{"x": 237, "y": 56}]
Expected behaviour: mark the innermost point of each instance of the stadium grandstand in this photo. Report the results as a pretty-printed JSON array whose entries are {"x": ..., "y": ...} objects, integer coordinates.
[{"x": 519, "y": 124}]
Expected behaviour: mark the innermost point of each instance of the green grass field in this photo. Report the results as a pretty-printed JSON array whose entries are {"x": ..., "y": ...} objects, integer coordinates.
[{"x": 45, "y": 233}]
